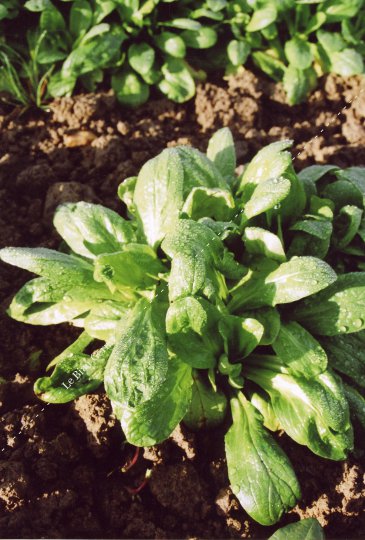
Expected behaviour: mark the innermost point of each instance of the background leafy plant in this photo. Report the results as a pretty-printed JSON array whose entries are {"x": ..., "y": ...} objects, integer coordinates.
[
  {"x": 221, "y": 299},
  {"x": 169, "y": 44}
]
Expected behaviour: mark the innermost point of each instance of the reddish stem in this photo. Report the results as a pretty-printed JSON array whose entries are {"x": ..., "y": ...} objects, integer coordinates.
[{"x": 132, "y": 462}]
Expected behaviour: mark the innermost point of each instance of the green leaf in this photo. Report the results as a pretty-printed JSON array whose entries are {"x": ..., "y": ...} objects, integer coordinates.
[
  {"x": 137, "y": 367},
  {"x": 209, "y": 202},
  {"x": 37, "y": 5},
  {"x": 141, "y": 57},
  {"x": 346, "y": 355},
  {"x": 270, "y": 162},
  {"x": 129, "y": 89},
  {"x": 184, "y": 24},
  {"x": 261, "y": 401},
  {"x": 52, "y": 20},
  {"x": 347, "y": 225},
  {"x": 270, "y": 65},
  {"x": 307, "y": 529},
  {"x": 240, "y": 336},
  {"x": 103, "y": 320},
  {"x": 267, "y": 195},
  {"x": 261, "y": 242},
  {"x": 74, "y": 376},
  {"x": 207, "y": 408},
  {"x": 339, "y": 309},
  {"x": 58, "y": 85},
  {"x": 204, "y": 38},
  {"x": 296, "y": 84},
  {"x": 313, "y": 412},
  {"x": 331, "y": 41},
  {"x": 81, "y": 17},
  {"x": 222, "y": 152},
  {"x": 191, "y": 326},
  {"x": 91, "y": 229},
  {"x": 355, "y": 175},
  {"x": 137, "y": 266},
  {"x": 299, "y": 351},
  {"x": 260, "y": 474},
  {"x": 164, "y": 182},
  {"x": 270, "y": 320},
  {"x": 171, "y": 44},
  {"x": 298, "y": 53},
  {"x": 177, "y": 83},
  {"x": 357, "y": 405},
  {"x": 347, "y": 62},
  {"x": 153, "y": 421},
  {"x": 343, "y": 193},
  {"x": 238, "y": 52},
  {"x": 262, "y": 18},
  {"x": 49, "y": 264},
  {"x": 316, "y": 172}
]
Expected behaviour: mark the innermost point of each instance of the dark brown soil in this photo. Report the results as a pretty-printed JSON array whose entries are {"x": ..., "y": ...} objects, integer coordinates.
[{"x": 60, "y": 466}]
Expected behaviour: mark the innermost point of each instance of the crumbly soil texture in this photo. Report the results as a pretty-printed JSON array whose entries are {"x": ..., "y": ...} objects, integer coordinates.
[{"x": 63, "y": 467}]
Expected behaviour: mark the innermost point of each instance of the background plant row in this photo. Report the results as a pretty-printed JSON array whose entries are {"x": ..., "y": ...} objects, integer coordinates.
[{"x": 49, "y": 49}]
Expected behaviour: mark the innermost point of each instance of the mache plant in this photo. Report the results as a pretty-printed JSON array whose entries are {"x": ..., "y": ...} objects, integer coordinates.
[
  {"x": 136, "y": 45},
  {"x": 221, "y": 299}
]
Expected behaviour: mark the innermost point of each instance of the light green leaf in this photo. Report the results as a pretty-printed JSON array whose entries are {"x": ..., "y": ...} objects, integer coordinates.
[
  {"x": 270, "y": 319},
  {"x": 347, "y": 62},
  {"x": 347, "y": 225},
  {"x": 307, "y": 529},
  {"x": 299, "y": 351},
  {"x": 103, "y": 320},
  {"x": 339, "y": 309},
  {"x": 238, "y": 52},
  {"x": 137, "y": 266},
  {"x": 153, "y": 421},
  {"x": 91, "y": 229},
  {"x": 204, "y": 38},
  {"x": 141, "y": 57},
  {"x": 222, "y": 152},
  {"x": 261, "y": 401},
  {"x": 261, "y": 242},
  {"x": 296, "y": 84},
  {"x": 171, "y": 44},
  {"x": 298, "y": 52},
  {"x": 240, "y": 336},
  {"x": 209, "y": 202},
  {"x": 137, "y": 368},
  {"x": 262, "y": 18},
  {"x": 81, "y": 17},
  {"x": 267, "y": 195},
  {"x": 177, "y": 83},
  {"x": 74, "y": 376},
  {"x": 260, "y": 474},
  {"x": 129, "y": 89}
]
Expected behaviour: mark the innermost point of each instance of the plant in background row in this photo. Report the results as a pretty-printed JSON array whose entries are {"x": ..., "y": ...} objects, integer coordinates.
[
  {"x": 170, "y": 44},
  {"x": 221, "y": 299}
]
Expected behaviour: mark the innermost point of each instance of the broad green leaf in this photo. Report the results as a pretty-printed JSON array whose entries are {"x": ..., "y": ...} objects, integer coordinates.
[
  {"x": 238, "y": 51},
  {"x": 198, "y": 259},
  {"x": 299, "y": 351},
  {"x": 207, "y": 408},
  {"x": 137, "y": 266},
  {"x": 177, "y": 83},
  {"x": 49, "y": 264},
  {"x": 222, "y": 152},
  {"x": 298, "y": 52},
  {"x": 260, "y": 474},
  {"x": 209, "y": 202},
  {"x": 191, "y": 326},
  {"x": 314, "y": 412},
  {"x": 240, "y": 336},
  {"x": 262, "y": 18},
  {"x": 81, "y": 17},
  {"x": 355, "y": 175},
  {"x": 171, "y": 44},
  {"x": 261, "y": 242},
  {"x": 296, "y": 84},
  {"x": 164, "y": 182},
  {"x": 184, "y": 24},
  {"x": 37, "y": 5},
  {"x": 313, "y": 237},
  {"x": 52, "y": 20},
  {"x": 346, "y": 355},
  {"x": 91, "y": 229},
  {"x": 126, "y": 192},
  {"x": 298, "y": 278},
  {"x": 343, "y": 193},
  {"x": 76, "y": 375},
  {"x": 332, "y": 42},
  {"x": 141, "y": 57},
  {"x": 306, "y": 529},
  {"x": 267, "y": 195},
  {"x": 270, "y": 162},
  {"x": 129, "y": 89},
  {"x": 137, "y": 367},
  {"x": 58, "y": 85},
  {"x": 339, "y": 309},
  {"x": 153, "y": 421},
  {"x": 269, "y": 64},
  {"x": 204, "y": 38},
  {"x": 44, "y": 301},
  {"x": 347, "y": 62},
  {"x": 103, "y": 320}
]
